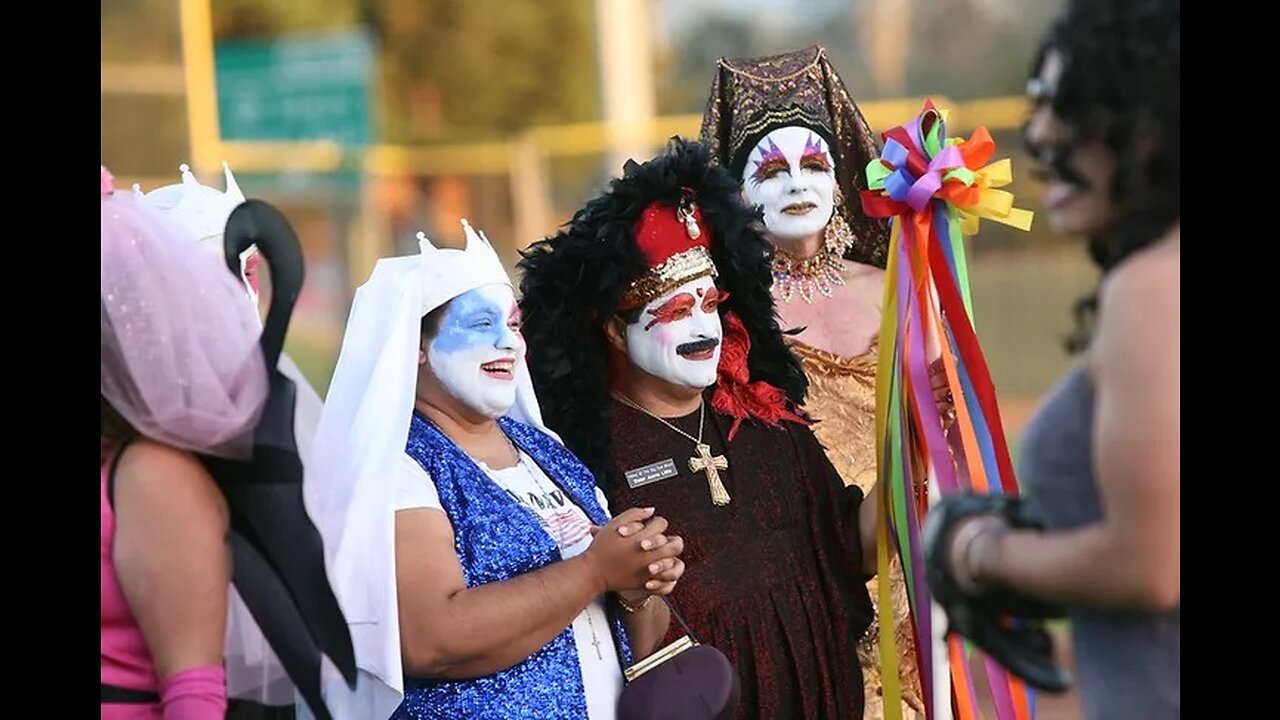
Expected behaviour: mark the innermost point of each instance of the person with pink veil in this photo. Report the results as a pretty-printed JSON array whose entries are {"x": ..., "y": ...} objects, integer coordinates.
[
  {"x": 200, "y": 476},
  {"x": 181, "y": 375}
]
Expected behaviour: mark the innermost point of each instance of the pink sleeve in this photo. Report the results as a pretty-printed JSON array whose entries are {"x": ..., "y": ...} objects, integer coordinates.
[{"x": 198, "y": 693}]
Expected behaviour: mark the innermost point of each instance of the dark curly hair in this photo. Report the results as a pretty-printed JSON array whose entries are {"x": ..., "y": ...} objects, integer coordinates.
[
  {"x": 1120, "y": 84},
  {"x": 571, "y": 284}
]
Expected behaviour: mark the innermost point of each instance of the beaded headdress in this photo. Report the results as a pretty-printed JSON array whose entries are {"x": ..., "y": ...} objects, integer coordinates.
[{"x": 752, "y": 97}]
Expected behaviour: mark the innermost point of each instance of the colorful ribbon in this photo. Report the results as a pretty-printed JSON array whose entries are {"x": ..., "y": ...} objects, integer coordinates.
[{"x": 935, "y": 190}]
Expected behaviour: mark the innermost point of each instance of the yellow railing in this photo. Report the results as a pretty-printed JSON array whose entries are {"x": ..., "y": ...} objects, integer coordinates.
[
  {"x": 478, "y": 158},
  {"x": 557, "y": 141},
  {"x": 523, "y": 159}
]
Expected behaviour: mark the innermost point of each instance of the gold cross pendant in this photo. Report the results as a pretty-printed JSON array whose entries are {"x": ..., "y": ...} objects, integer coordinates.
[{"x": 710, "y": 465}]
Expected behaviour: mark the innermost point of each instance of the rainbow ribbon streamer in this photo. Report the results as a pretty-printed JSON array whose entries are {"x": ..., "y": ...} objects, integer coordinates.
[{"x": 935, "y": 189}]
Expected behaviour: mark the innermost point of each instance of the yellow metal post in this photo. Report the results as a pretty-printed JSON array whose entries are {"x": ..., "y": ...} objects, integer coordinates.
[
  {"x": 202, "y": 92},
  {"x": 530, "y": 192}
]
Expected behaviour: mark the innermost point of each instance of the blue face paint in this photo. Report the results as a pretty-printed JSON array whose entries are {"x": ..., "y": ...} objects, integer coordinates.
[
  {"x": 474, "y": 319},
  {"x": 474, "y": 354}
]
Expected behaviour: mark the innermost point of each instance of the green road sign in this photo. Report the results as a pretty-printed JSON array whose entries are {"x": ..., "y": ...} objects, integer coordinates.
[{"x": 297, "y": 87}]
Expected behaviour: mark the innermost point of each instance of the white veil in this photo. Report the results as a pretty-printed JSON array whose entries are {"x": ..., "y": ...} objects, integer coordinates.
[{"x": 360, "y": 441}]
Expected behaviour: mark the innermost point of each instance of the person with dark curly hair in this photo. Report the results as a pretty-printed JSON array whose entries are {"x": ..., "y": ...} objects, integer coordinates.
[
  {"x": 656, "y": 354},
  {"x": 1100, "y": 458}
]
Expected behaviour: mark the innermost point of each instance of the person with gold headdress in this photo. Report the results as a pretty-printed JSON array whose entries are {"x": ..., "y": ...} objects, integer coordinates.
[{"x": 787, "y": 129}]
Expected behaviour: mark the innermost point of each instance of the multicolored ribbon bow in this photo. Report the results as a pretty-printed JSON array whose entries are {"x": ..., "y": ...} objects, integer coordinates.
[{"x": 935, "y": 189}]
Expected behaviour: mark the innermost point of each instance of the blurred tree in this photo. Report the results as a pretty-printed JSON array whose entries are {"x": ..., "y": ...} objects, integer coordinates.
[
  {"x": 141, "y": 134},
  {"x": 141, "y": 31},
  {"x": 687, "y": 68},
  {"x": 477, "y": 69},
  {"x": 450, "y": 70},
  {"x": 244, "y": 19},
  {"x": 960, "y": 48},
  {"x": 974, "y": 48}
]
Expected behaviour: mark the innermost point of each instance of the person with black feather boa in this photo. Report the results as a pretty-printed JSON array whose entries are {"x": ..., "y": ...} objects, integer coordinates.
[{"x": 656, "y": 354}]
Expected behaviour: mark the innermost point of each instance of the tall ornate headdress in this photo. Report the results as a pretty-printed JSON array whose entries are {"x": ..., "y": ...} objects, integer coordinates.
[{"x": 752, "y": 97}]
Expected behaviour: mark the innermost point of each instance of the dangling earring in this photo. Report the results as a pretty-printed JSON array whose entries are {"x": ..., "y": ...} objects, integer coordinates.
[{"x": 837, "y": 237}]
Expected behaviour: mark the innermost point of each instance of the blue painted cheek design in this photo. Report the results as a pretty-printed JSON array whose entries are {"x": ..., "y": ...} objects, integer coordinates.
[{"x": 472, "y": 321}]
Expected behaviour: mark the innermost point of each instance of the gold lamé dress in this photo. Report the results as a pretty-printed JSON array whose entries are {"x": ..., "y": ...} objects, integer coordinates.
[{"x": 842, "y": 398}]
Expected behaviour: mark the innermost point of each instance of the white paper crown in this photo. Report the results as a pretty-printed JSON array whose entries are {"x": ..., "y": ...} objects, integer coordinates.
[
  {"x": 200, "y": 209},
  {"x": 448, "y": 272}
]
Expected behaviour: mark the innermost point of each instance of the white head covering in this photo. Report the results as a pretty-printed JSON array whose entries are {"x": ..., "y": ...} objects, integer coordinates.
[
  {"x": 201, "y": 210},
  {"x": 360, "y": 442}
]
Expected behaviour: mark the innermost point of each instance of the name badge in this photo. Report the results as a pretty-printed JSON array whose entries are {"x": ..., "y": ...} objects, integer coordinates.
[{"x": 650, "y": 474}]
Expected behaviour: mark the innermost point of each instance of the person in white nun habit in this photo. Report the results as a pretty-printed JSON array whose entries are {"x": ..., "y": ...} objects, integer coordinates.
[{"x": 474, "y": 557}]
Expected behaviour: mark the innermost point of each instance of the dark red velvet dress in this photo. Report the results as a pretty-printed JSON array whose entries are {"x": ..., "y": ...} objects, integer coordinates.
[{"x": 772, "y": 579}]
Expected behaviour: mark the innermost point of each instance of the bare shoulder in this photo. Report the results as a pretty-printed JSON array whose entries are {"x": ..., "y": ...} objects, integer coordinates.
[
  {"x": 858, "y": 272},
  {"x": 153, "y": 472},
  {"x": 424, "y": 523},
  {"x": 147, "y": 457},
  {"x": 1146, "y": 288},
  {"x": 1140, "y": 305},
  {"x": 866, "y": 280},
  {"x": 1147, "y": 277}
]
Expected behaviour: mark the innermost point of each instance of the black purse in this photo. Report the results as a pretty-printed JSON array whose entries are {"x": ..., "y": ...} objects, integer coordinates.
[{"x": 682, "y": 681}]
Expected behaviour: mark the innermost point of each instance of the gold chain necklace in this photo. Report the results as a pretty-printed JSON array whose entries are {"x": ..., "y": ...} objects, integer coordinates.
[{"x": 704, "y": 462}]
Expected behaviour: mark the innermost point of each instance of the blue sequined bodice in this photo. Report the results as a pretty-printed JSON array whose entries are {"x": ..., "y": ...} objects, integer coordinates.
[{"x": 496, "y": 539}]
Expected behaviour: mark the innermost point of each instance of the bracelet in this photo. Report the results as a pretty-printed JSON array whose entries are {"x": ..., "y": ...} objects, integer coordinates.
[
  {"x": 633, "y": 609},
  {"x": 966, "y": 572},
  {"x": 982, "y": 550}
]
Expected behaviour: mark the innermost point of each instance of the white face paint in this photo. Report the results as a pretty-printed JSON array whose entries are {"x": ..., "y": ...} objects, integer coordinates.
[
  {"x": 791, "y": 174},
  {"x": 474, "y": 352},
  {"x": 677, "y": 337}
]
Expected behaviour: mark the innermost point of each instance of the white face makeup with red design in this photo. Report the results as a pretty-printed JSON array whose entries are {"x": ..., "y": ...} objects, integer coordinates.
[
  {"x": 791, "y": 174},
  {"x": 474, "y": 353},
  {"x": 677, "y": 337}
]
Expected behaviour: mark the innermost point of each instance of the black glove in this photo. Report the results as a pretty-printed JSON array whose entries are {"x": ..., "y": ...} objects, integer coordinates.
[{"x": 1007, "y": 624}]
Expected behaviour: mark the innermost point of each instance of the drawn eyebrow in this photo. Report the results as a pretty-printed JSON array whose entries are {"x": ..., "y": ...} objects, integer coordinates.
[
  {"x": 814, "y": 152},
  {"x": 667, "y": 311},
  {"x": 819, "y": 158},
  {"x": 714, "y": 296},
  {"x": 770, "y": 158}
]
